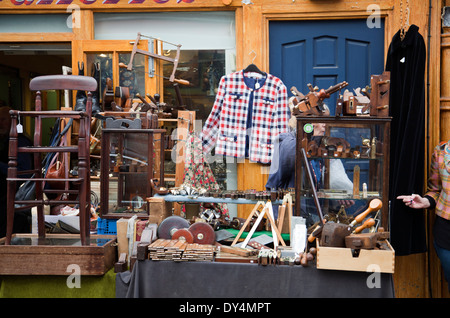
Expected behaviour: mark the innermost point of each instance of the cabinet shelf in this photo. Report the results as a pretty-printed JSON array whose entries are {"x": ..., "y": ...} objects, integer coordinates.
[
  {"x": 357, "y": 179},
  {"x": 123, "y": 193}
]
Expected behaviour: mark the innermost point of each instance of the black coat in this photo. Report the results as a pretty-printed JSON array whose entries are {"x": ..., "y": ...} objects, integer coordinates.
[{"x": 406, "y": 62}]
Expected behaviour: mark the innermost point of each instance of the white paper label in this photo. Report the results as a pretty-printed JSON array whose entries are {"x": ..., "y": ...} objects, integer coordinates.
[{"x": 19, "y": 128}]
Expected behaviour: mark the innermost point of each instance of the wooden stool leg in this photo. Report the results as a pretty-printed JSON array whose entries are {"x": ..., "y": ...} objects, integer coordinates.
[
  {"x": 83, "y": 171},
  {"x": 11, "y": 190},
  {"x": 12, "y": 173}
]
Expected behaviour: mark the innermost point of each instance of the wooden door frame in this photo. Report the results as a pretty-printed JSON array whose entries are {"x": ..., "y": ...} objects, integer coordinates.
[{"x": 115, "y": 47}]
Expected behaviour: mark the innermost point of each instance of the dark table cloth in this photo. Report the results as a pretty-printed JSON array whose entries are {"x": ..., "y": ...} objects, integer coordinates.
[{"x": 168, "y": 279}]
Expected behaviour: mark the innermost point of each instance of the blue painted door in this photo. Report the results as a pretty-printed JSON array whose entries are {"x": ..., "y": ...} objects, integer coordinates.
[{"x": 325, "y": 53}]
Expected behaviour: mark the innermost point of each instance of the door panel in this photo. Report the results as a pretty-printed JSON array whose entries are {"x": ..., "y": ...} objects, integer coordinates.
[{"x": 325, "y": 53}]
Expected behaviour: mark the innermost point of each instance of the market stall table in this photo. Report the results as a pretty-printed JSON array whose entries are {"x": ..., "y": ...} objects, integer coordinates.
[{"x": 168, "y": 279}]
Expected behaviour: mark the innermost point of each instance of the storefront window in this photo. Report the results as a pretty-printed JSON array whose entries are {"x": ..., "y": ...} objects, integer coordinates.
[
  {"x": 105, "y": 62},
  {"x": 39, "y": 23},
  {"x": 203, "y": 70},
  {"x": 134, "y": 79},
  {"x": 207, "y": 52}
]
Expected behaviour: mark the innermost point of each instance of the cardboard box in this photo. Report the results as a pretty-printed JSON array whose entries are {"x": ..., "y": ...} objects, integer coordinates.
[{"x": 346, "y": 259}]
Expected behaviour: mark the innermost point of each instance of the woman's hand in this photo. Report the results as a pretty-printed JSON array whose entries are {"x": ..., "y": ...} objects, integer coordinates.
[{"x": 415, "y": 201}]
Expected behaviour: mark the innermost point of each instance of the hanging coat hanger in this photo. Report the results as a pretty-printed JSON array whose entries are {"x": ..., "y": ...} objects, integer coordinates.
[
  {"x": 252, "y": 67},
  {"x": 404, "y": 19}
]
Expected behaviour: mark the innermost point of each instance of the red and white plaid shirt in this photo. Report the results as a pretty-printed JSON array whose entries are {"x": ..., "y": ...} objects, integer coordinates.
[
  {"x": 226, "y": 126},
  {"x": 439, "y": 180}
]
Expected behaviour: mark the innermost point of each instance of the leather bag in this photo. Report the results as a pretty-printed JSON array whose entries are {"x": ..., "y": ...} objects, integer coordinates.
[
  {"x": 58, "y": 169},
  {"x": 26, "y": 191}
]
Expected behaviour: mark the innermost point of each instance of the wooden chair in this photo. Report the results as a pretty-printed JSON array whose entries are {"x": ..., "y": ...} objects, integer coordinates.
[{"x": 81, "y": 182}]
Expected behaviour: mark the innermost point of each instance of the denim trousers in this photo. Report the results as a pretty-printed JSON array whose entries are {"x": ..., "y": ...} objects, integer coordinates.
[{"x": 444, "y": 257}]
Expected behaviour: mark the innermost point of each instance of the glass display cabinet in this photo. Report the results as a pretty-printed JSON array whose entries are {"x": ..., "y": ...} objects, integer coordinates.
[
  {"x": 130, "y": 159},
  {"x": 342, "y": 169}
]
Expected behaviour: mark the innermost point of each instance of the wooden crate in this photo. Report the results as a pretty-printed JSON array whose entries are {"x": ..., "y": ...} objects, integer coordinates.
[
  {"x": 37, "y": 258},
  {"x": 159, "y": 209},
  {"x": 338, "y": 258}
]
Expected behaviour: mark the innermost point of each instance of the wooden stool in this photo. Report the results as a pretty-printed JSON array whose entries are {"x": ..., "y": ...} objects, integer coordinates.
[{"x": 82, "y": 181}]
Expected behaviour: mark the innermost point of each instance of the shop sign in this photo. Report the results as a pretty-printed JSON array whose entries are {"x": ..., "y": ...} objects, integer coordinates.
[{"x": 87, "y": 2}]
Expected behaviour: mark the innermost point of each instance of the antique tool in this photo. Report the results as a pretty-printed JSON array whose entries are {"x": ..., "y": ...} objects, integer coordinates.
[
  {"x": 374, "y": 206},
  {"x": 121, "y": 96},
  {"x": 257, "y": 208},
  {"x": 315, "y": 233},
  {"x": 144, "y": 242},
  {"x": 379, "y": 94},
  {"x": 333, "y": 234},
  {"x": 160, "y": 190},
  {"x": 176, "y": 80},
  {"x": 285, "y": 214},
  {"x": 356, "y": 173},
  {"x": 162, "y": 57},
  {"x": 365, "y": 240},
  {"x": 108, "y": 95},
  {"x": 121, "y": 265},
  {"x": 202, "y": 233},
  {"x": 238, "y": 223},
  {"x": 365, "y": 91},
  {"x": 235, "y": 250},
  {"x": 146, "y": 104},
  {"x": 170, "y": 225},
  {"x": 318, "y": 230},
  {"x": 276, "y": 236},
  {"x": 312, "y": 103},
  {"x": 349, "y": 105},
  {"x": 178, "y": 250},
  {"x": 367, "y": 224},
  {"x": 311, "y": 182},
  {"x": 373, "y": 148},
  {"x": 183, "y": 235}
]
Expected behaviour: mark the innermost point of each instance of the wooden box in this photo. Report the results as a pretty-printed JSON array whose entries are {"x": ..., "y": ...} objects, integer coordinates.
[
  {"x": 53, "y": 255},
  {"x": 158, "y": 209},
  {"x": 338, "y": 258}
]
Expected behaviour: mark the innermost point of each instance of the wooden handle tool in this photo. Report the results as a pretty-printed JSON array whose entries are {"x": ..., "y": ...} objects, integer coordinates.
[
  {"x": 368, "y": 223},
  {"x": 356, "y": 174},
  {"x": 316, "y": 232},
  {"x": 374, "y": 205}
]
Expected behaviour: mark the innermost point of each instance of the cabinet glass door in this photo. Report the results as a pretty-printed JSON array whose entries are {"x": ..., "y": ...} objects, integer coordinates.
[{"x": 345, "y": 167}]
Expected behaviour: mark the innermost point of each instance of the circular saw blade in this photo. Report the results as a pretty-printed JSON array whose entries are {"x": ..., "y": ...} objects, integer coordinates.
[
  {"x": 170, "y": 225},
  {"x": 183, "y": 235},
  {"x": 203, "y": 233}
]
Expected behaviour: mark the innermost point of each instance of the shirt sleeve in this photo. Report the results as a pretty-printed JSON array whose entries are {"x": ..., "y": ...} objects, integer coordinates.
[
  {"x": 283, "y": 112},
  {"x": 211, "y": 126},
  {"x": 434, "y": 183}
]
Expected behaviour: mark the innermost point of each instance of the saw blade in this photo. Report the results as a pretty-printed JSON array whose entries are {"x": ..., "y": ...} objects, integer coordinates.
[
  {"x": 170, "y": 225},
  {"x": 203, "y": 233},
  {"x": 183, "y": 235}
]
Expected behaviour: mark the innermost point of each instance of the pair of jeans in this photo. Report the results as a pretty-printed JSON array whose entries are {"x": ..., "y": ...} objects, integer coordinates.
[{"x": 444, "y": 257}]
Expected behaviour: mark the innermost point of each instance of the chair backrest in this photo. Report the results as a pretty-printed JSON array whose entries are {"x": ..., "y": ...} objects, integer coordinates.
[{"x": 63, "y": 82}]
